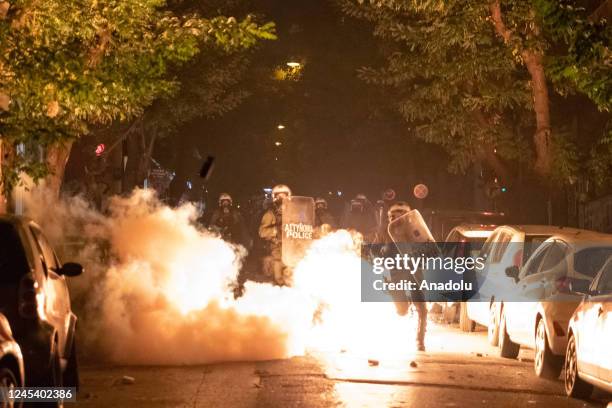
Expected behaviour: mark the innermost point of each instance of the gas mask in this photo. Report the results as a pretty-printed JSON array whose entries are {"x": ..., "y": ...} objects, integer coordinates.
[
  {"x": 225, "y": 206},
  {"x": 278, "y": 198},
  {"x": 356, "y": 206}
]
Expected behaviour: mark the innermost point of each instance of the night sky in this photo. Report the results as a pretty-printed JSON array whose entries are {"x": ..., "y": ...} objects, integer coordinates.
[{"x": 340, "y": 133}]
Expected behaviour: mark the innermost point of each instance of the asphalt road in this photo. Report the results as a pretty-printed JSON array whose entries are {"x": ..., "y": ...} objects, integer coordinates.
[{"x": 458, "y": 370}]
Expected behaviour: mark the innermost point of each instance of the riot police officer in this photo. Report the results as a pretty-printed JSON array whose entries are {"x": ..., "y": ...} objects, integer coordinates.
[
  {"x": 360, "y": 217},
  {"x": 401, "y": 299},
  {"x": 229, "y": 222},
  {"x": 270, "y": 230},
  {"x": 324, "y": 220},
  {"x": 382, "y": 208}
]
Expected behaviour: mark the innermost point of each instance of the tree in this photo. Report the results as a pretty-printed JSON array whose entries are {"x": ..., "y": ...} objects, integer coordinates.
[
  {"x": 456, "y": 85},
  {"x": 211, "y": 84},
  {"x": 471, "y": 74},
  {"x": 584, "y": 65},
  {"x": 67, "y": 65}
]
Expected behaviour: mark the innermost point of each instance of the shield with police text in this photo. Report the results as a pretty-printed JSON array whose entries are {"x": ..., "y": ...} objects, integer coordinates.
[{"x": 297, "y": 229}]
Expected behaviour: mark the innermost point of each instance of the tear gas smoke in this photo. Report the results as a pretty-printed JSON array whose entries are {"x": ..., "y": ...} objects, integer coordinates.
[{"x": 158, "y": 290}]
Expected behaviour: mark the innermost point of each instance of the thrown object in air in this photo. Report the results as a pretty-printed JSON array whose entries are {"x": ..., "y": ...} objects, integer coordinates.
[{"x": 207, "y": 168}]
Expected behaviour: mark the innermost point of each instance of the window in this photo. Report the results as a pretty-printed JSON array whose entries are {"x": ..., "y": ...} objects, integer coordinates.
[
  {"x": 485, "y": 252},
  {"x": 556, "y": 259},
  {"x": 533, "y": 265},
  {"x": 500, "y": 248},
  {"x": 47, "y": 252},
  {"x": 532, "y": 242},
  {"x": 13, "y": 261},
  {"x": 589, "y": 261},
  {"x": 604, "y": 286}
]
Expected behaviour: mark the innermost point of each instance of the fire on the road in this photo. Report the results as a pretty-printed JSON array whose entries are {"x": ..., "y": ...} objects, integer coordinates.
[{"x": 166, "y": 295}]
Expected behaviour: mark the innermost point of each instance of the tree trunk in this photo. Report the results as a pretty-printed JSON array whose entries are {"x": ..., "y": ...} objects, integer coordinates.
[
  {"x": 3, "y": 198},
  {"x": 541, "y": 103},
  {"x": 534, "y": 62},
  {"x": 57, "y": 157}
]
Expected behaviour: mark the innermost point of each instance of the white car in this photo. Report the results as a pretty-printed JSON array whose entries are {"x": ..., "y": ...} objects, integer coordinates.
[
  {"x": 463, "y": 240},
  {"x": 588, "y": 361},
  {"x": 538, "y": 308},
  {"x": 508, "y": 245}
]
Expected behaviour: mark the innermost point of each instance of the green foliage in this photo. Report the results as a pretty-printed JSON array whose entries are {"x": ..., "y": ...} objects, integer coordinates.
[
  {"x": 586, "y": 64},
  {"x": 566, "y": 158},
  {"x": 451, "y": 77},
  {"x": 460, "y": 85},
  {"x": 66, "y": 65},
  {"x": 210, "y": 84},
  {"x": 599, "y": 165}
]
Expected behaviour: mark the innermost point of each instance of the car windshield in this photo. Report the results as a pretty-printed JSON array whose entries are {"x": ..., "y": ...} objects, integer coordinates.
[
  {"x": 13, "y": 262},
  {"x": 469, "y": 246},
  {"x": 532, "y": 242},
  {"x": 590, "y": 260}
]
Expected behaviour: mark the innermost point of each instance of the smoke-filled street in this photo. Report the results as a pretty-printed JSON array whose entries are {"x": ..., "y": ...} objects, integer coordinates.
[
  {"x": 322, "y": 203},
  {"x": 460, "y": 370}
]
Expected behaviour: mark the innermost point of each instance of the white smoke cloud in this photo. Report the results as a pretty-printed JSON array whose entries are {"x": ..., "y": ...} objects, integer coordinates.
[{"x": 158, "y": 290}]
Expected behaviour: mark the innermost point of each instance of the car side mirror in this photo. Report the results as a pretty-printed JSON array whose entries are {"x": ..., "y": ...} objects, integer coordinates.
[
  {"x": 70, "y": 269},
  {"x": 579, "y": 286},
  {"x": 513, "y": 272}
]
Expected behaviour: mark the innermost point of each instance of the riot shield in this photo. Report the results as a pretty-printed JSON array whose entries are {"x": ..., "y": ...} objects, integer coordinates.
[
  {"x": 412, "y": 237},
  {"x": 297, "y": 228},
  {"x": 410, "y": 228}
]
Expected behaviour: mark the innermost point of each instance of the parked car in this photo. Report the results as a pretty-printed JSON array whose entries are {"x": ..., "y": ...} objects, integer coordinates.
[
  {"x": 441, "y": 222},
  {"x": 545, "y": 285},
  {"x": 588, "y": 360},
  {"x": 463, "y": 240},
  {"x": 34, "y": 298},
  {"x": 11, "y": 361},
  {"x": 508, "y": 245}
]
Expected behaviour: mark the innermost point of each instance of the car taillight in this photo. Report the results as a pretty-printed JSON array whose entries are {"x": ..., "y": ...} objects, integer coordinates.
[
  {"x": 563, "y": 284},
  {"x": 28, "y": 304}
]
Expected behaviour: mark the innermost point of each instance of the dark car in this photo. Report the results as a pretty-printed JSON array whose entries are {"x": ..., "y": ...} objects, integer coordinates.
[
  {"x": 11, "y": 361},
  {"x": 463, "y": 240},
  {"x": 34, "y": 298}
]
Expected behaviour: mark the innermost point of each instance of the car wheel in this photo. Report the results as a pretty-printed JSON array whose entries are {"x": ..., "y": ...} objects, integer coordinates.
[
  {"x": 465, "y": 323},
  {"x": 507, "y": 348},
  {"x": 7, "y": 381},
  {"x": 493, "y": 328},
  {"x": 545, "y": 363},
  {"x": 574, "y": 385}
]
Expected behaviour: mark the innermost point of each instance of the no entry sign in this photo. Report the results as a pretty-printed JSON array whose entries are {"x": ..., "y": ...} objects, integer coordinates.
[{"x": 421, "y": 191}]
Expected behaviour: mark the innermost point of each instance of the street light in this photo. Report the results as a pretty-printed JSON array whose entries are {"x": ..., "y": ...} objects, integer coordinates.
[
  {"x": 278, "y": 143},
  {"x": 280, "y": 127},
  {"x": 293, "y": 64}
]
